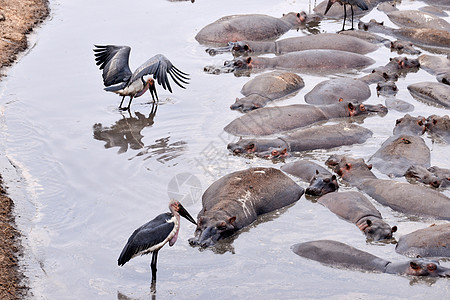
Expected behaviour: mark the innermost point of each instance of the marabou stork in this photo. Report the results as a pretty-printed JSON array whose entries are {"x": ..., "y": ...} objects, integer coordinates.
[
  {"x": 117, "y": 76},
  {"x": 360, "y": 3},
  {"x": 153, "y": 235}
]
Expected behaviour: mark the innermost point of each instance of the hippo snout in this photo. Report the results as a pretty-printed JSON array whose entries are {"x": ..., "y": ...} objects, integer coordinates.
[{"x": 206, "y": 238}]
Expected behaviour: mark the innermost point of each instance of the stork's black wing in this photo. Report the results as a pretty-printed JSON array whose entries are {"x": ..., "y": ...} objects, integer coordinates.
[
  {"x": 113, "y": 60},
  {"x": 159, "y": 66},
  {"x": 146, "y": 236}
]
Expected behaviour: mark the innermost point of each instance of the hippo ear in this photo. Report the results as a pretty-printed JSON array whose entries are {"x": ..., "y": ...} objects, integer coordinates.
[
  {"x": 284, "y": 151},
  {"x": 317, "y": 172},
  {"x": 333, "y": 177},
  {"x": 369, "y": 223},
  {"x": 232, "y": 220},
  {"x": 348, "y": 166},
  {"x": 249, "y": 60},
  {"x": 394, "y": 229},
  {"x": 351, "y": 107},
  {"x": 246, "y": 47},
  {"x": 369, "y": 166},
  {"x": 237, "y": 99}
]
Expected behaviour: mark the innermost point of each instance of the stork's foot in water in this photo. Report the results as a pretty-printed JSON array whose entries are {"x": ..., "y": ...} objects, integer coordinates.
[{"x": 124, "y": 108}]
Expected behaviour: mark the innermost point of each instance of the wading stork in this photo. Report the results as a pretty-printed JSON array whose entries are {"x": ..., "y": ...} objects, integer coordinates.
[
  {"x": 152, "y": 236},
  {"x": 117, "y": 76},
  {"x": 360, "y": 3}
]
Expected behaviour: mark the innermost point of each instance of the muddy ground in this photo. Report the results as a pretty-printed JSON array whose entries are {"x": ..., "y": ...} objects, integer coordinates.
[{"x": 17, "y": 18}]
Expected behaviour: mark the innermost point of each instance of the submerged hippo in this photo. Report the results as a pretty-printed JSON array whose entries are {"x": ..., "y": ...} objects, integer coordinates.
[
  {"x": 253, "y": 27},
  {"x": 318, "y": 137},
  {"x": 321, "y": 181},
  {"x": 432, "y": 39},
  {"x": 357, "y": 209},
  {"x": 340, "y": 255},
  {"x": 237, "y": 199},
  {"x": 436, "y": 65},
  {"x": 439, "y": 127},
  {"x": 331, "y": 91},
  {"x": 270, "y": 120},
  {"x": 404, "y": 197},
  {"x": 433, "y": 241},
  {"x": 396, "y": 67},
  {"x": 267, "y": 87},
  {"x": 398, "y": 105},
  {"x": 433, "y": 176},
  {"x": 308, "y": 61},
  {"x": 417, "y": 19},
  {"x": 434, "y": 93},
  {"x": 404, "y": 149},
  {"x": 330, "y": 41}
]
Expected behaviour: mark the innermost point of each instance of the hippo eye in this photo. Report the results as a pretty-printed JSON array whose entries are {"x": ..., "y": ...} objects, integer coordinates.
[
  {"x": 236, "y": 48},
  {"x": 246, "y": 48},
  {"x": 431, "y": 267}
]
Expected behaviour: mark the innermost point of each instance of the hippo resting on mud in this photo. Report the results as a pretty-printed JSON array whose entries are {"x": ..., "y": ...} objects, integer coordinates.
[
  {"x": 248, "y": 27},
  {"x": 237, "y": 199},
  {"x": 267, "y": 87},
  {"x": 308, "y": 61},
  {"x": 321, "y": 181},
  {"x": 330, "y": 41},
  {"x": 429, "y": 38},
  {"x": 271, "y": 120},
  {"x": 317, "y": 137},
  {"x": 404, "y": 197},
  {"x": 434, "y": 93},
  {"x": 404, "y": 149},
  {"x": 432, "y": 241},
  {"x": 357, "y": 209},
  {"x": 433, "y": 176},
  {"x": 343, "y": 256},
  {"x": 332, "y": 90}
]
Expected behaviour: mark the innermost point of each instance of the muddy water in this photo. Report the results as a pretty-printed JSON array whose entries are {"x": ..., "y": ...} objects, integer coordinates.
[{"x": 85, "y": 175}]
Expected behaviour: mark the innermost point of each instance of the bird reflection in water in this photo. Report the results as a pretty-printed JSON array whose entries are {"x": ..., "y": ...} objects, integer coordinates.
[{"x": 126, "y": 134}]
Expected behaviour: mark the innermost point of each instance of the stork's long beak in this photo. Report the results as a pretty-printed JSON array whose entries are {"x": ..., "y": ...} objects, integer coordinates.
[
  {"x": 152, "y": 90},
  {"x": 330, "y": 3},
  {"x": 184, "y": 213}
]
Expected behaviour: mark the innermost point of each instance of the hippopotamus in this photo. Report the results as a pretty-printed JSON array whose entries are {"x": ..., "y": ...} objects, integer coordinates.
[
  {"x": 270, "y": 120},
  {"x": 444, "y": 4},
  {"x": 392, "y": 70},
  {"x": 386, "y": 89},
  {"x": 438, "y": 126},
  {"x": 330, "y": 91},
  {"x": 318, "y": 61},
  {"x": 255, "y": 27},
  {"x": 417, "y": 19},
  {"x": 430, "y": 38},
  {"x": 400, "y": 196},
  {"x": 340, "y": 255},
  {"x": 387, "y": 7},
  {"x": 320, "y": 180},
  {"x": 404, "y": 149},
  {"x": 398, "y": 105},
  {"x": 330, "y": 41},
  {"x": 317, "y": 137},
  {"x": 435, "y": 93},
  {"x": 436, "y": 65},
  {"x": 433, "y": 10},
  {"x": 432, "y": 241},
  {"x": 403, "y": 47},
  {"x": 267, "y": 87},
  {"x": 237, "y": 199},
  {"x": 433, "y": 176},
  {"x": 356, "y": 208}
]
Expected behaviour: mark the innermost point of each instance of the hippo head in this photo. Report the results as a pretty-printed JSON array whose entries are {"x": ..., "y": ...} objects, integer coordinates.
[
  {"x": 410, "y": 125},
  {"x": 295, "y": 19},
  {"x": 274, "y": 153},
  {"x": 245, "y": 106},
  {"x": 372, "y": 23},
  {"x": 212, "y": 228},
  {"x": 361, "y": 109},
  {"x": 425, "y": 267},
  {"x": 403, "y": 47},
  {"x": 376, "y": 229},
  {"x": 404, "y": 63},
  {"x": 349, "y": 168},
  {"x": 237, "y": 48},
  {"x": 386, "y": 88},
  {"x": 269, "y": 148},
  {"x": 243, "y": 63},
  {"x": 435, "y": 122},
  {"x": 243, "y": 147},
  {"x": 322, "y": 184}
]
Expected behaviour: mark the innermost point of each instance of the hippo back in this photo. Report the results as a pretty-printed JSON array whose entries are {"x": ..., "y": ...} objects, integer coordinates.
[
  {"x": 339, "y": 255},
  {"x": 273, "y": 85},
  {"x": 433, "y": 241},
  {"x": 350, "y": 206},
  {"x": 251, "y": 192}
]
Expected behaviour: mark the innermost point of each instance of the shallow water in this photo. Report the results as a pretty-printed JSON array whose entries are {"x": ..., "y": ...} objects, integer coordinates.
[{"x": 85, "y": 175}]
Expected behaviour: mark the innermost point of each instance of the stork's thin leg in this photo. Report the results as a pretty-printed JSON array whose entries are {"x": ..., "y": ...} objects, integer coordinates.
[
  {"x": 153, "y": 265},
  {"x": 121, "y": 102},
  {"x": 345, "y": 17},
  {"x": 351, "y": 7},
  {"x": 129, "y": 103},
  {"x": 152, "y": 90}
]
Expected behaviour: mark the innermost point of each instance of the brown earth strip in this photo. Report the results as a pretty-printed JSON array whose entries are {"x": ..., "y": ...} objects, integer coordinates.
[{"x": 17, "y": 18}]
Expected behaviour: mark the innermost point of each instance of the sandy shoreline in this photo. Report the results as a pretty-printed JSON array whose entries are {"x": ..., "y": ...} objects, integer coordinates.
[{"x": 17, "y": 18}]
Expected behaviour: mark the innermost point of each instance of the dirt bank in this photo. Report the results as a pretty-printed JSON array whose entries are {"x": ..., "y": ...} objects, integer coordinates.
[{"x": 17, "y": 18}]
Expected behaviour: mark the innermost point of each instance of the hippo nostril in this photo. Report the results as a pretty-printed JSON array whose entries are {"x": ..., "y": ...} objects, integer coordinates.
[{"x": 237, "y": 151}]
